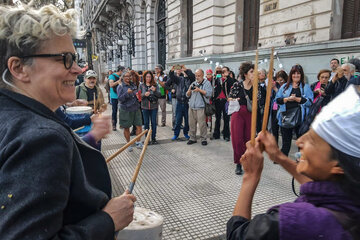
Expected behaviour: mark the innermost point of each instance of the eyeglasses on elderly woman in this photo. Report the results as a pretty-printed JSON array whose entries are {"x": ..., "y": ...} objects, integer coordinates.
[{"x": 68, "y": 57}]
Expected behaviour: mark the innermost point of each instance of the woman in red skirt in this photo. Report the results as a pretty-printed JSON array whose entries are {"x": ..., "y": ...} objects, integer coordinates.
[{"x": 241, "y": 120}]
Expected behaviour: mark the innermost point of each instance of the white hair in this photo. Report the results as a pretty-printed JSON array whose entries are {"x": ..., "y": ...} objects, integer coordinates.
[
  {"x": 350, "y": 65},
  {"x": 23, "y": 30}
]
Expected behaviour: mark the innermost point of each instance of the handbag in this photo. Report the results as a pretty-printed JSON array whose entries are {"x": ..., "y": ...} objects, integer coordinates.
[
  {"x": 209, "y": 108},
  {"x": 248, "y": 101},
  {"x": 291, "y": 118},
  {"x": 234, "y": 106}
]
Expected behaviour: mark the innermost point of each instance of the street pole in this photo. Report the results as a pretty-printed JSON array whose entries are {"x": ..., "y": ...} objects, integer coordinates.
[{"x": 89, "y": 49}]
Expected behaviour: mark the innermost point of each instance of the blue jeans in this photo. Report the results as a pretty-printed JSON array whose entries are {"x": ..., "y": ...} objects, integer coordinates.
[
  {"x": 114, "y": 105},
  {"x": 182, "y": 110},
  {"x": 150, "y": 115}
]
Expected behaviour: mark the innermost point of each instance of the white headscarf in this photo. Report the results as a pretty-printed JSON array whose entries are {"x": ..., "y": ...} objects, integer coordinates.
[{"x": 338, "y": 123}]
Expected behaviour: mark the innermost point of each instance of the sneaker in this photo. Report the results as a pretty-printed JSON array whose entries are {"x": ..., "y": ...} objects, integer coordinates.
[
  {"x": 139, "y": 145},
  {"x": 186, "y": 136},
  {"x": 191, "y": 142},
  {"x": 130, "y": 149},
  {"x": 174, "y": 138},
  {"x": 114, "y": 128},
  {"x": 204, "y": 143},
  {"x": 227, "y": 139},
  {"x": 154, "y": 141}
]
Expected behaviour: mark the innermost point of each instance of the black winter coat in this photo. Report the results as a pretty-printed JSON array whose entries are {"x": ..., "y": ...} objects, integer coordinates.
[{"x": 52, "y": 184}]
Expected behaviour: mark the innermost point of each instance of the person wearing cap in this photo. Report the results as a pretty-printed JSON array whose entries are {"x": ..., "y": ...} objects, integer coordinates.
[
  {"x": 114, "y": 81},
  {"x": 160, "y": 79},
  {"x": 88, "y": 88},
  {"x": 329, "y": 171}
]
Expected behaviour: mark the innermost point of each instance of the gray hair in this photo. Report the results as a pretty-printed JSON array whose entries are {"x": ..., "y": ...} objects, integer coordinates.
[
  {"x": 350, "y": 65},
  {"x": 199, "y": 69},
  {"x": 23, "y": 30},
  {"x": 262, "y": 70}
]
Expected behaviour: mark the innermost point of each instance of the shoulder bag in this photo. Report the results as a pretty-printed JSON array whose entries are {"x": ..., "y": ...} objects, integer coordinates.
[
  {"x": 209, "y": 108},
  {"x": 291, "y": 117},
  {"x": 248, "y": 100}
]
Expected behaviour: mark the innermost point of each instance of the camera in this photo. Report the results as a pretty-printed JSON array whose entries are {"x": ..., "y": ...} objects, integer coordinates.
[{"x": 194, "y": 86}]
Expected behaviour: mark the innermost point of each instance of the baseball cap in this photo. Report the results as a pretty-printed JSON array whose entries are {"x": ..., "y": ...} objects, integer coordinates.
[{"x": 90, "y": 73}]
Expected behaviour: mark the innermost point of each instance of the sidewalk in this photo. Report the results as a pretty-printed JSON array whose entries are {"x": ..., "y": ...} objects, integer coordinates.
[{"x": 193, "y": 187}]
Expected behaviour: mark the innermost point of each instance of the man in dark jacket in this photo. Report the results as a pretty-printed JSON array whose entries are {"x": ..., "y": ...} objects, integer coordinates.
[
  {"x": 182, "y": 79},
  {"x": 337, "y": 84},
  {"x": 222, "y": 90}
]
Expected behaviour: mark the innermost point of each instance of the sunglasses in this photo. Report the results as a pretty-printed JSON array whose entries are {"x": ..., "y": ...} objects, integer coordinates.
[{"x": 68, "y": 58}]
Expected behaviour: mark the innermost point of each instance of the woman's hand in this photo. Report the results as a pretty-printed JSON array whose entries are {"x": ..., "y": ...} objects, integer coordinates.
[
  {"x": 153, "y": 88},
  {"x": 147, "y": 94},
  {"x": 270, "y": 144},
  {"x": 252, "y": 160},
  {"x": 101, "y": 126},
  {"x": 121, "y": 210}
]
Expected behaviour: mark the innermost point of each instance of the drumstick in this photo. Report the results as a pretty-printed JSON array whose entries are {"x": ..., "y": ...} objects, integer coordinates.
[
  {"x": 137, "y": 169},
  {"x": 94, "y": 103},
  {"x": 77, "y": 129},
  {"x": 126, "y": 146},
  {"x": 254, "y": 101},
  {"x": 268, "y": 91}
]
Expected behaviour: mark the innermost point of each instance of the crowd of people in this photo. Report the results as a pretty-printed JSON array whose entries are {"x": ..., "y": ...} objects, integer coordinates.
[
  {"x": 54, "y": 185},
  {"x": 294, "y": 103}
]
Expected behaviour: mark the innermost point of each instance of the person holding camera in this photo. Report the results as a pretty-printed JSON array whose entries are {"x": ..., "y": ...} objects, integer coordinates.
[
  {"x": 337, "y": 84},
  {"x": 149, "y": 102},
  {"x": 199, "y": 92},
  {"x": 222, "y": 89},
  {"x": 183, "y": 78},
  {"x": 319, "y": 87}
]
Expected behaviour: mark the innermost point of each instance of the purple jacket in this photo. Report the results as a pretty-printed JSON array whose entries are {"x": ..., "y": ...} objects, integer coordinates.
[{"x": 306, "y": 218}]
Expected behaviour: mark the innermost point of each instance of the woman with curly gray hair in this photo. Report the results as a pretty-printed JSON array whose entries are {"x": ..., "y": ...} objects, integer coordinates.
[{"x": 53, "y": 186}]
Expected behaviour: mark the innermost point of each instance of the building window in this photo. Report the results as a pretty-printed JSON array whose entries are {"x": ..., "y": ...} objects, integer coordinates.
[
  {"x": 251, "y": 24},
  {"x": 189, "y": 33},
  {"x": 161, "y": 27},
  {"x": 351, "y": 19}
]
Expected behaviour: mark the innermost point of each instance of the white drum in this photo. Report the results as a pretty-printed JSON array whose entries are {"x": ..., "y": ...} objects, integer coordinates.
[{"x": 147, "y": 225}]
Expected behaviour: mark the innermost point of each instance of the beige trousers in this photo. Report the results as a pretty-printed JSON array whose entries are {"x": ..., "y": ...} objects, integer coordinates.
[
  {"x": 162, "y": 105},
  {"x": 197, "y": 117}
]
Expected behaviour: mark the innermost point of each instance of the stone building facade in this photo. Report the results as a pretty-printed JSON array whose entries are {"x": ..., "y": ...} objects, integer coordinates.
[{"x": 206, "y": 33}]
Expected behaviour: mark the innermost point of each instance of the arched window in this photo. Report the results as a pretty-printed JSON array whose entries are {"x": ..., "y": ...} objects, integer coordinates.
[{"x": 161, "y": 27}]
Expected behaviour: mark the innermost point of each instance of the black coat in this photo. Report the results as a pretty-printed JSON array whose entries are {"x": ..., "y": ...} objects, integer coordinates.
[
  {"x": 52, "y": 184},
  {"x": 218, "y": 87}
]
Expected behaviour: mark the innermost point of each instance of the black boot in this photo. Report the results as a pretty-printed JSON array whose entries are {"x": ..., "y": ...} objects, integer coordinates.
[{"x": 238, "y": 170}]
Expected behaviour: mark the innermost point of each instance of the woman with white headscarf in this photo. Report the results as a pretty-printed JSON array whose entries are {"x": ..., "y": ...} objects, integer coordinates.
[{"x": 329, "y": 171}]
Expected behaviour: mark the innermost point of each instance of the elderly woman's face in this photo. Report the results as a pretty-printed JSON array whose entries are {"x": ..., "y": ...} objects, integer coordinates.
[
  {"x": 49, "y": 81},
  {"x": 315, "y": 161},
  {"x": 324, "y": 78}
]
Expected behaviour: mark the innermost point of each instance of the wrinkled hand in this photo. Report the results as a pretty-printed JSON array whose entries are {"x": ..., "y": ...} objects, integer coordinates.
[
  {"x": 101, "y": 126},
  {"x": 147, "y": 94},
  {"x": 173, "y": 90},
  {"x": 153, "y": 88},
  {"x": 129, "y": 90},
  {"x": 270, "y": 144},
  {"x": 196, "y": 89},
  {"x": 121, "y": 210},
  {"x": 252, "y": 160}
]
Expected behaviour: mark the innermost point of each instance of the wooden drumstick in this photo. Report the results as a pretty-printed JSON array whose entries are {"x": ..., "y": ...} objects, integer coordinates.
[
  {"x": 94, "y": 103},
  {"x": 126, "y": 146},
  {"x": 77, "y": 129},
  {"x": 268, "y": 91},
  {"x": 254, "y": 101},
  {"x": 137, "y": 169}
]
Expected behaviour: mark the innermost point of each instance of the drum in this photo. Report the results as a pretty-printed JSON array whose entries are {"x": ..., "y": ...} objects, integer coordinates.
[
  {"x": 80, "y": 112},
  {"x": 147, "y": 225}
]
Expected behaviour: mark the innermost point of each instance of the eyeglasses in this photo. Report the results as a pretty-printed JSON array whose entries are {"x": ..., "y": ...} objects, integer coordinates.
[{"x": 68, "y": 57}]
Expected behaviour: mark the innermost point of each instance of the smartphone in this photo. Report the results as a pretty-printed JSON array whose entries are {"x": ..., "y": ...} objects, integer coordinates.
[{"x": 218, "y": 75}]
